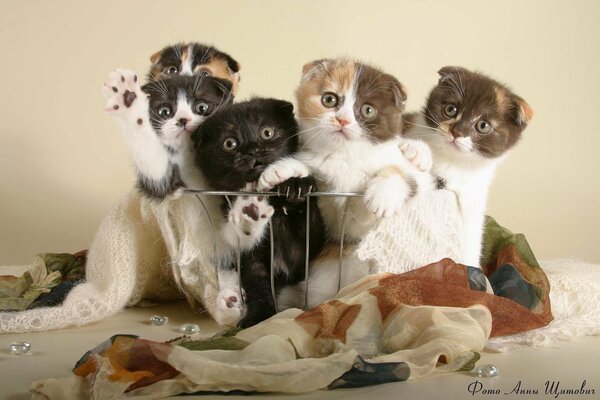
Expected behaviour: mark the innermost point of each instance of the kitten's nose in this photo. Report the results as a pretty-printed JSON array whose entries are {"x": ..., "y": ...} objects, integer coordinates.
[
  {"x": 455, "y": 131},
  {"x": 342, "y": 121},
  {"x": 182, "y": 122}
]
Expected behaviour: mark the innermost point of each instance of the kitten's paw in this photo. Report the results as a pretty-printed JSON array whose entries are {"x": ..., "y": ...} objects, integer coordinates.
[
  {"x": 249, "y": 216},
  {"x": 385, "y": 196},
  {"x": 280, "y": 172},
  {"x": 230, "y": 307},
  {"x": 418, "y": 153},
  {"x": 124, "y": 96},
  {"x": 295, "y": 190}
]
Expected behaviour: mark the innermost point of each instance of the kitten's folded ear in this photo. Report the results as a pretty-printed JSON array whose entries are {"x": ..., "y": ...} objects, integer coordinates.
[
  {"x": 224, "y": 86},
  {"x": 522, "y": 112},
  {"x": 399, "y": 93},
  {"x": 451, "y": 72},
  {"x": 283, "y": 106},
  {"x": 156, "y": 56},
  {"x": 233, "y": 65},
  {"x": 310, "y": 69}
]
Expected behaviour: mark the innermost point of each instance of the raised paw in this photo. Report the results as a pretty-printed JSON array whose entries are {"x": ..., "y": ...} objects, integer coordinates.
[
  {"x": 230, "y": 307},
  {"x": 248, "y": 218},
  {"x": 124, "y": 97},
  {"x": 280, "y": 172},
  {"x": 385, "y": 196},
  {"x": 418, "y": 153},
  {"x": 295, "y": 190}
]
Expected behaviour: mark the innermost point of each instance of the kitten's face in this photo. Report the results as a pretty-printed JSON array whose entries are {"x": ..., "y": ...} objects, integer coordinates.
[
  {"x": 178, "y": 105},
  {"x": 475, "y": 114},
  {"x": 234, "y": 146},
  {"x": 194, "y": 59},
  {"x": 341, "y": 100}
]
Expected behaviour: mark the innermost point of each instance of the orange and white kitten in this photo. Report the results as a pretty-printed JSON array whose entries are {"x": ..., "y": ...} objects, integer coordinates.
[{"x": 350, "y": 117}]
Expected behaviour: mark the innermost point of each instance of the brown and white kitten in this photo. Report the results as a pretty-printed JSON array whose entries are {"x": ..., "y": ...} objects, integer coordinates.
[
  {"x": 350, "y": 117},
  {"x": 470, "y": 122},
  {"x": 194, "y": 59}
]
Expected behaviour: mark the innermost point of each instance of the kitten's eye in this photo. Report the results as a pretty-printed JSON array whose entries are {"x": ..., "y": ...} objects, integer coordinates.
[
  {"x": 329, "y": 100},
  {"x": 165, "y": 111},
  {"x": 204, "y": 72},
  {"x": 172, "y": 70},
  {"x": 483, "y": 126},
  {"x": 368, "y": 111},
  {"x": 230, "y": 144},
  {"x": 201, "y": 108},
  {"x": 267, "y": 133},
  {"x": 450, "y": 110}
]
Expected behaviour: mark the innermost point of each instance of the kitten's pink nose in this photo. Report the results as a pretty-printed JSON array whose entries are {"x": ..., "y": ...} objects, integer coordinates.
[
  {"x": 183, "y": 122},
  {"x": 342, "y": 121}
]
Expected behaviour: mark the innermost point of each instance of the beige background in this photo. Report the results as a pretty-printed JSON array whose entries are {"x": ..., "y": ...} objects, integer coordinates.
[{"x": 63, "y": 163}]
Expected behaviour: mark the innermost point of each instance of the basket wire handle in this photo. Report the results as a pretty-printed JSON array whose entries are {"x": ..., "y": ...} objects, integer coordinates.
[
  {"x": 341, "y": 264},
  {"x": 272, "y": 266},
  {"x": 214, "y": 240},
  {"x": 307, "y": 252}
]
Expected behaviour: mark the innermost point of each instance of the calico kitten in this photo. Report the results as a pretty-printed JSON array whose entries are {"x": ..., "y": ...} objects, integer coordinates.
[
  {"x": 350, "y": 115},
  {"x": 194, "y": 59},
  {"x": 233, "y": 148},
  {"x": 158, "y": 120},
  {"x": 470, "y": 122}
]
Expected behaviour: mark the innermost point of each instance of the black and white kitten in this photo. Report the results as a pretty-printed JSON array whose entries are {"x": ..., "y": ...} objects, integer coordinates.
[
  {"x": 233, "y": 148},
  {"x": 157, "y": 121}
]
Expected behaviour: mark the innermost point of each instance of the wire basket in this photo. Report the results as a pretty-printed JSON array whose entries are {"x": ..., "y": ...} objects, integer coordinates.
[{"x": 201, "y": 193}]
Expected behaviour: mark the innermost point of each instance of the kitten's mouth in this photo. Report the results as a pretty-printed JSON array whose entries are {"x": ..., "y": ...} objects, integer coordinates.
[
  {"x": 461, "y": 147},
  {"x": 254, "y": 173},
  {"x": 342, "y": 133}
]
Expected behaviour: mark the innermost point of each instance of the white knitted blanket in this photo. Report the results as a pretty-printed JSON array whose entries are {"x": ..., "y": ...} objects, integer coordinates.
[
  {"x": 145, "y": 250},
  {"x": 129, "y": 260}
]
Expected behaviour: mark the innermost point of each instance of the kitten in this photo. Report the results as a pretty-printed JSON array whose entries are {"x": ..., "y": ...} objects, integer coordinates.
[
  {"x": 233, "y": 148},
  {"x": 194, "y": 59},
  {"x": 158, "y": 120},
  {"x": 470, "y": 122},
  {"x": 350, "y": 115}
]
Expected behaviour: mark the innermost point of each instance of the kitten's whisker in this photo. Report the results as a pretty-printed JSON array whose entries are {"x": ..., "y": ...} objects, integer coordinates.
[
  {"x": 431, "y": 118},
  {"x": 308, "y": 141}
]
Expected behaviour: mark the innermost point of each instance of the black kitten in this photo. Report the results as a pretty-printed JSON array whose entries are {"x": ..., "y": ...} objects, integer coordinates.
[{"x": 233, "y": 148}]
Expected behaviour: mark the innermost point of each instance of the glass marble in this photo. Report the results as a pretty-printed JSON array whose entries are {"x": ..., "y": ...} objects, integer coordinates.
[
  {"x": 189, "y": 329},
  {"x": 19, "y": 348},
  {"x": 486, "y": 371},
  {"x": 158, "y": 320}
]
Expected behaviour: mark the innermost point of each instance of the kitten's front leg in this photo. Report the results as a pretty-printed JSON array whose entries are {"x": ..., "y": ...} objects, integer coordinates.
[
  {"x": 418, "y": 153},
  {"x": 387, "y": 192},
  {"x": 126, "y": 101},
  {"x": 280, "y": 171},
  {"x": 230, "y": 306},
  {"x": 247, "y": 221}
]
